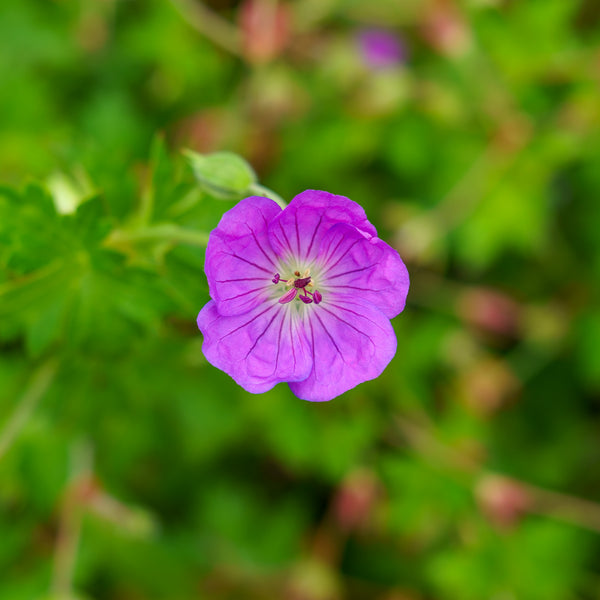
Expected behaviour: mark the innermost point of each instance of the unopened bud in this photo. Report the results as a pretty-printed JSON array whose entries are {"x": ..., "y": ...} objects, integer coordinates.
[
  {"x": 222, "y": 174},
  {"x": 355, "y": 499},
  {"x": 490, "y": 311},
  {"x": 502, "y": 500},
  {"x": 265, "y": 29},
  {"x": 446, "y": 30}
]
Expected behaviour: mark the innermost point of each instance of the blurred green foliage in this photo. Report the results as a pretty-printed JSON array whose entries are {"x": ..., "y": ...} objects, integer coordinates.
[{"x": 131, "y": 469}]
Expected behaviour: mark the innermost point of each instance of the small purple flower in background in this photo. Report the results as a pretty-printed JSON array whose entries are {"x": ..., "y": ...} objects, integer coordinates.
[
  {"x": 302, "y": 295},
  {"x": 380, "y": 48}
]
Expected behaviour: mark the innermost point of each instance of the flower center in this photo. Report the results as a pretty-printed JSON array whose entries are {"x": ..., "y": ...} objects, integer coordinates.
[{"x": 298, "y": 283}]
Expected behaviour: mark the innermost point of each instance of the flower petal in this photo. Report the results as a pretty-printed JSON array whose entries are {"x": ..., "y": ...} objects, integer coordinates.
[
  {"x": 258, "y": 349},
  {"x": 296, "y": 233},
  {"x": 351, "y": 341},
  {"x": 240, "y": 262},
  {"x": 352, "y": 263}
]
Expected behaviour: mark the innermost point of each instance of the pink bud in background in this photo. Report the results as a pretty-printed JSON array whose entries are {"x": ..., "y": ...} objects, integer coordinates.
[
  {"x": 204, "y": 131},
  {"x": 265, "y": 26},
  {"x": 502, "y": 500},
  {"x": 446, "y": 29},
  {"x": 489, "y": 310},
  {"x": 355, "y": 499}
]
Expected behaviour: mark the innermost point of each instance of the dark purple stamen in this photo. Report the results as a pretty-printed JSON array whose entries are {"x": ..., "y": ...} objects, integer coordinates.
[{"x": 302, "y": 283}]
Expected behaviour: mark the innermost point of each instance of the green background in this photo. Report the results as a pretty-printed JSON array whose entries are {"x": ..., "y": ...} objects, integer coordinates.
[{"x": 130, "y": 469}]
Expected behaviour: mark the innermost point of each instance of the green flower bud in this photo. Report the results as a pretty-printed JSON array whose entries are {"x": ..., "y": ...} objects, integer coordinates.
[{"x": 223, "y": 174}]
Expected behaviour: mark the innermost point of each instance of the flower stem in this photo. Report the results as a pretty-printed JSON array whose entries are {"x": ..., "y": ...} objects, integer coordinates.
[
  {"x": 564, "y": 507},
  {"x": 157, "y": 233},
  {"x": 261, "y": 190},
  {"x": 210, "y": 25},
  {"x": 555, "y": 505},
  {"x": 40, "y": 382},
  {"x": 69, "y": 530}
]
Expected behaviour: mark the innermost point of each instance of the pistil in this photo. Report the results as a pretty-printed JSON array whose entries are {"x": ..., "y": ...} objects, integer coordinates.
[{"x": 298, "y": 283}]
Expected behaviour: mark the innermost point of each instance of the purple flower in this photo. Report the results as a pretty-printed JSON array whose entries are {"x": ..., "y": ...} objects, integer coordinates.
[
  {"x": 380, "y": 48},
  {"x": 303, "y": 295}
]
